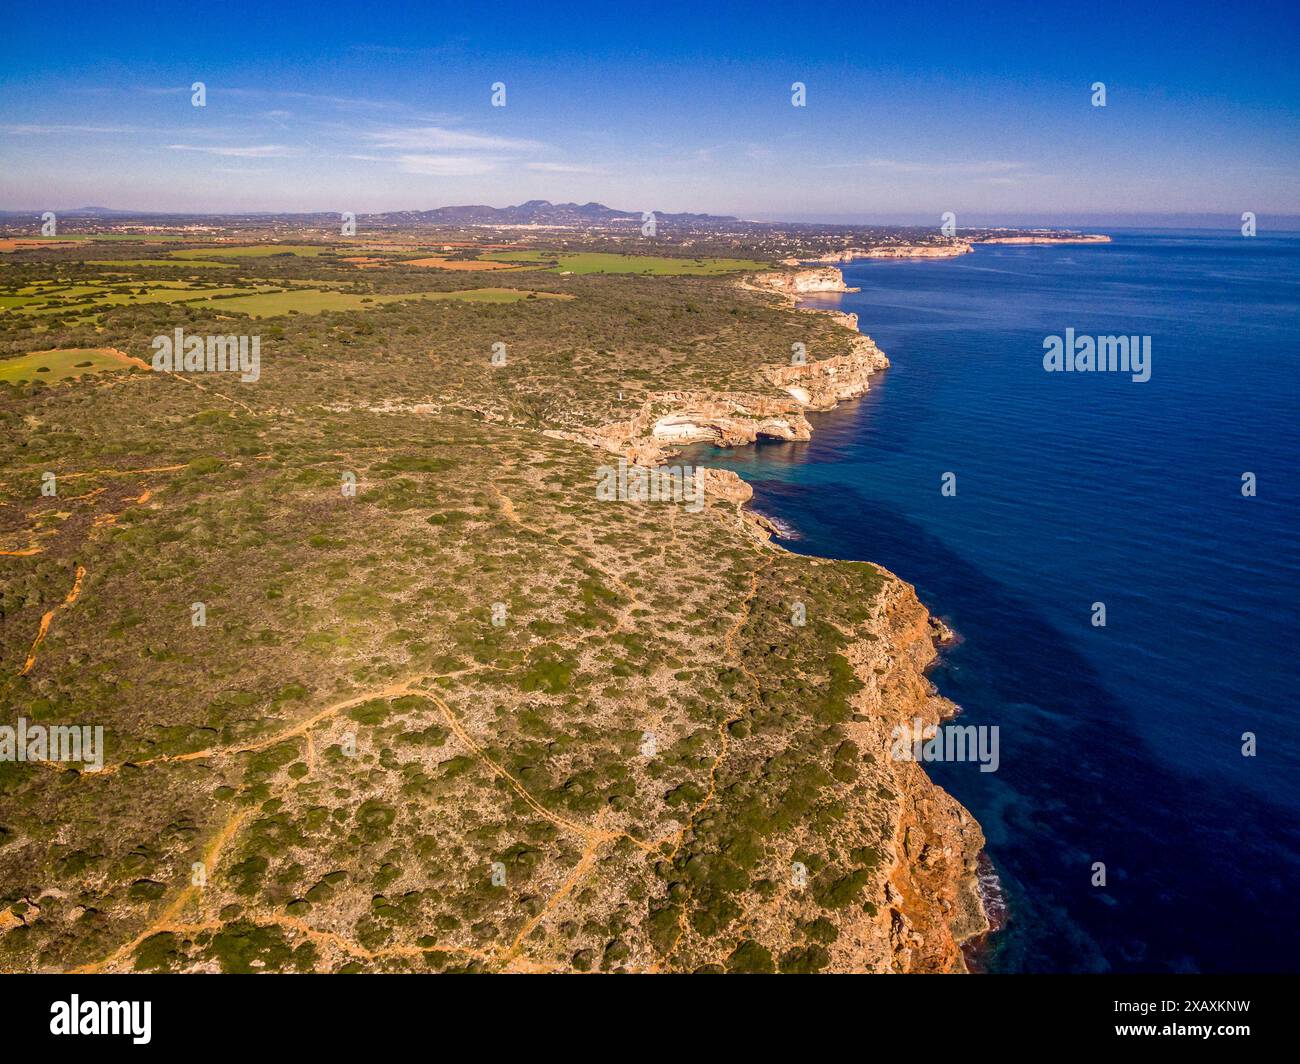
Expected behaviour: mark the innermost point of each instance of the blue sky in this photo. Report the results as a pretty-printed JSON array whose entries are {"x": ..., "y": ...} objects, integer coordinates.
[{"x": 912, "y": 109}]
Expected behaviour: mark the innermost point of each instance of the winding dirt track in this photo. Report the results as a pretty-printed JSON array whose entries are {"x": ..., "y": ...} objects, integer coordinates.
[
  {"x": 594, "y": 836},
  {"x": 165, "y": 921},
  {"x": 101, "y": 522},
  {"x": 46, "y": 620}
]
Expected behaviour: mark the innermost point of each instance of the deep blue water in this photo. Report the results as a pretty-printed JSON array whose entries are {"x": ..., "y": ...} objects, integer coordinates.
[{"x": 1120, "y": 744}]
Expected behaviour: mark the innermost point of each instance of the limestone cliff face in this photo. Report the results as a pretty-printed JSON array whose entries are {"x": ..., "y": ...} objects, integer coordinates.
[
  {"x": 802, "y": 282},
  {"x": 821, "y": 385},
  {"x": 730, "y": 419},
  {"x": 921, "y": 251},
  {"x": 673, "y": 419},
  {"x": 847, "y": 255},
  {"x": 931, "y": 887},
  {"x": 955, "y": 246},
  {"x": 727, "y": 419},
  {"x": 926, "y": 886},
  {"x": 724, "y": 484},
  {"x": 1047, "y": 238}
]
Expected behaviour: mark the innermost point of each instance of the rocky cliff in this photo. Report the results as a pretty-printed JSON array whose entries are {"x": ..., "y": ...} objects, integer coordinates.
[
  {"x": 1047, "y": 238},
  {"x": 931, "y": 882},
  {"x": 921, "y": 251},
  {"x": 729, "y": 419},
  {"x": 802, "y": 282},
  {"x": 928, "y": 877},
  {"x": 822, "y": 384}
]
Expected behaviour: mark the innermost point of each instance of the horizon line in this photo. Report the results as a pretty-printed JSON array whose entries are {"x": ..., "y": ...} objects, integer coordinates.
[{"x": 1230, "y": 219}]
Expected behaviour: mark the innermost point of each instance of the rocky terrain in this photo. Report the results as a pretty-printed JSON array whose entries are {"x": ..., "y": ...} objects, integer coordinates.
[
  {"x": 447, "y": 709},
  {"x": 931, "y": 889}
]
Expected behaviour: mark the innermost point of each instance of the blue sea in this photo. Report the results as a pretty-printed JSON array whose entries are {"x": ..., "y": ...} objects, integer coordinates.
[{"x": 1123, "y": 744}]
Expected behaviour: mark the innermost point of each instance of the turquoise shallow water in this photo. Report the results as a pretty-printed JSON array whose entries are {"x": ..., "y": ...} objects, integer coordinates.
[{"x": 1120, "y": 744}]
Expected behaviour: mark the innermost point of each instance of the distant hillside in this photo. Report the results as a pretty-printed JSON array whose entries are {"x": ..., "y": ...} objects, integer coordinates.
[{"x": 536, "y": 212}]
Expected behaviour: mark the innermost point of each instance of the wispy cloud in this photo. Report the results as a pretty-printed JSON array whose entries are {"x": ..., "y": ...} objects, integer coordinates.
[
  {"x": 252, "y": 151},
  {"x": 439, "y": 151},
  {"x": 453, "y": 44},
  {"x": 43, "y": 130},
  {"x": 448, "y": 165},
  {"x": 217, "y": 90},
  {"x": 439, "y": 138},
  {"x": 565, "y": 168}
]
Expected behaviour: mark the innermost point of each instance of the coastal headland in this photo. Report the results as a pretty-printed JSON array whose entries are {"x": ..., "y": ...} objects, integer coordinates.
[
  {"x": 931, "y": 894},
  {"x": 437, "y": 702},
  {"x": 951, "y": 247}
]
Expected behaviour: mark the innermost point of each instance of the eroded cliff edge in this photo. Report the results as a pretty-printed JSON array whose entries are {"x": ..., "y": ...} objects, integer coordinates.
[
  {"x": 927, "y": 888},
  {"x": 670, "y": 419},
  {"x": 931, "y": 888}
]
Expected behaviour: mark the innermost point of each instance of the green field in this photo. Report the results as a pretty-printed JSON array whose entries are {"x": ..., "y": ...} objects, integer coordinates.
[
  {"x": 256, "y": 300},
  {"x": 598, "y": 262},
  {"x": 160, "y": 262},
  {"x": 253, "y": 251},
  {"x": 495, "y": 295},
  {"x": 55, "y": 298},
  {"x": 317, "y": 300},
  {"x": 58, "y": 365}
]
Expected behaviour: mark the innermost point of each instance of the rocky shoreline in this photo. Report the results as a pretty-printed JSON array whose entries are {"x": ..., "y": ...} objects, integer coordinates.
[
  {"x": 932, "y": 891},
  {"x": 952, "y": 247},
  {"x": 934, "y": 903},
  {"x": 929, "y": 885},
  {"x": 1047, "y": 239}
]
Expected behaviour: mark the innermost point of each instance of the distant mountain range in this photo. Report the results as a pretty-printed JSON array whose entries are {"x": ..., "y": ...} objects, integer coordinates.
[
  {"x": 534, "y": 212},
  {"x": 79, "y": 212},
  {"x": 537, "y": 212}
]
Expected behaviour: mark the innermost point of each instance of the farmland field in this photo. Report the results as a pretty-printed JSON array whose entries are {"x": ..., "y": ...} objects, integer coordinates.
[
  {"x": 316, "y": 301},
  {"x": 61, "y": 364},
  {"x": 255, "y": 251},
  {"x": 595, "y": 262},
  {"x": 53, "y": 298},
  {"x": 259, "y": 300},
  {"x": 173, "y": 263}
]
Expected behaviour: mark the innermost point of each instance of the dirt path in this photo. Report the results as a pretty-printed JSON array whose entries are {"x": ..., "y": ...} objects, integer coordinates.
[
  {"x": 595, "y": 836},
  {"x": 72, "y": 597},
  {"x": 165, "y": 922},
  {"x": 123, "y": 357},
  {"x": 403, "y": 687},
  {"x": 101, "y": 522},
  {"x": 590, "y": 834},
  {"x": 120, "y": 472},
  {"x": 195, "y": 384},
  {"x": 575, "y": 877}
]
